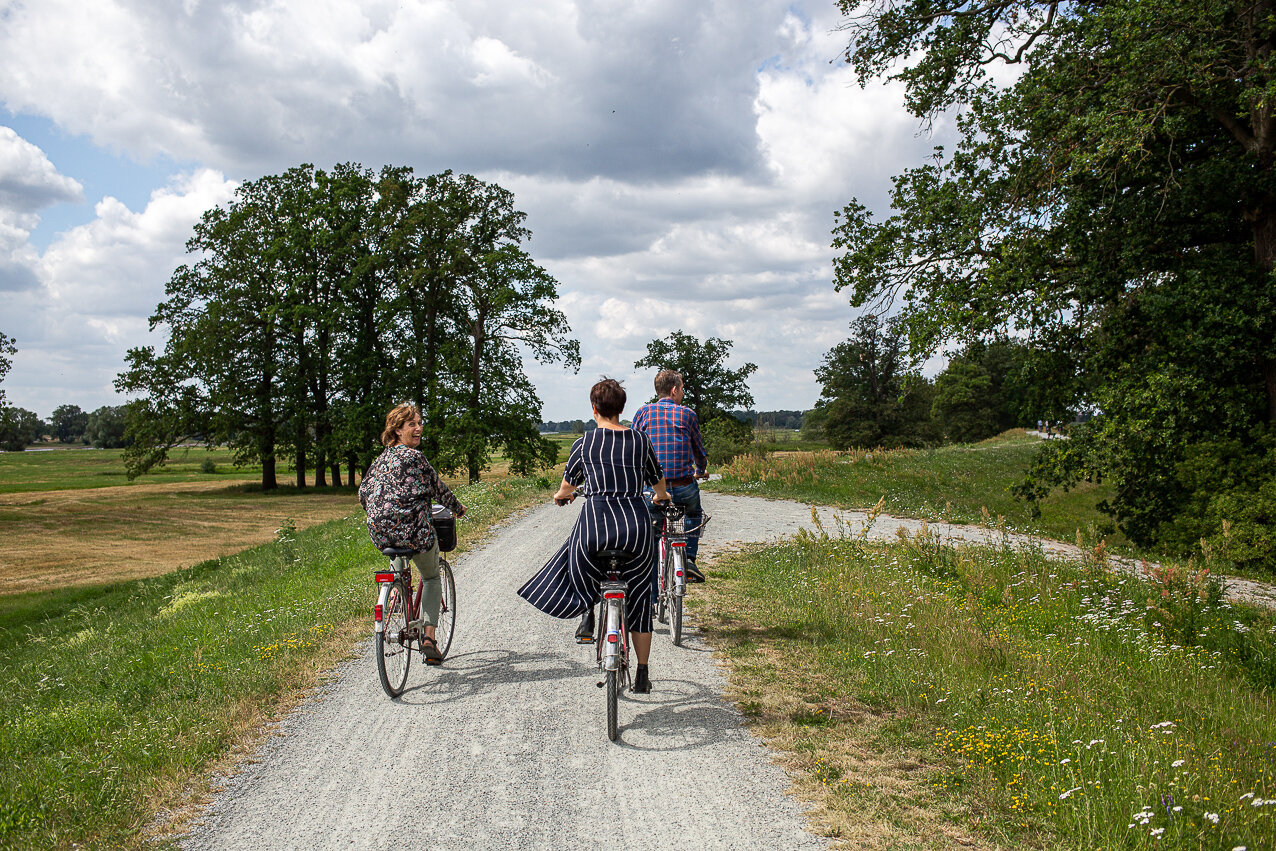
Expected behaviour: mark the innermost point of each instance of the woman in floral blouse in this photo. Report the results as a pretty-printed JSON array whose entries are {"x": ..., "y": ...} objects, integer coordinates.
[{"x": 397, "y": 493}]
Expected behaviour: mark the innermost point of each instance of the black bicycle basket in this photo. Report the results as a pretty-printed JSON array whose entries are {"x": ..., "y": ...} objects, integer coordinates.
[{"x": 444, "y": 524}]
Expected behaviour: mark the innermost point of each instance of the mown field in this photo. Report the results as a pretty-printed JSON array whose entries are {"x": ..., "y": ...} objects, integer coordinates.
[{"x": 930, "y": 696}]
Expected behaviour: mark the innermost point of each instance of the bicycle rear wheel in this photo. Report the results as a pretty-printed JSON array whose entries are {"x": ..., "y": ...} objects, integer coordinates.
[
  {"x": 447, "y": 610},
  {"x": 393, "y": 656},
  {"x": 613, "y": 694}
]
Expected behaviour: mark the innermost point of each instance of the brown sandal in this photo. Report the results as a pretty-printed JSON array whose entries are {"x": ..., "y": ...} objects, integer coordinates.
[{"x": 430, "y": 650}]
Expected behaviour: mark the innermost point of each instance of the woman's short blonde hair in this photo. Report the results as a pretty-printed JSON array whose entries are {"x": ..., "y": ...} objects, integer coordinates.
[{"x": 399, "y": 416}]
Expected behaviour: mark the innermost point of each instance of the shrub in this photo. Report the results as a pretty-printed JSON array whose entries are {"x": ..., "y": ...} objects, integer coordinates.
[{"x": 725, "y": 437}]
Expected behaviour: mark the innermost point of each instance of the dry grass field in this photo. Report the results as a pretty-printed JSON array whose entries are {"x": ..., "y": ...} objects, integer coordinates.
[{"x": 71, "y": 517}]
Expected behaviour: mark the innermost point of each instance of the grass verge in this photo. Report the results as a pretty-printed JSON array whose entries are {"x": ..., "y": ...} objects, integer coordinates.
[
  {"x": 927, "y": 696},
  {"x": 956, "y": 484},
  {"x": 118, "y": 698}
]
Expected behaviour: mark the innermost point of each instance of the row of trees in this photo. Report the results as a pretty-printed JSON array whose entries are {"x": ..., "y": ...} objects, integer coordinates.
[
  {"x": 320, "y": 299},
  {"x": 1114, "y": 204},
  {"x": 873, "y": 392}
]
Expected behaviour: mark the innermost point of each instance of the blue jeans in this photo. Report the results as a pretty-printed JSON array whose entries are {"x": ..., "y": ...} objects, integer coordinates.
[{"x": 688, "y": 496}]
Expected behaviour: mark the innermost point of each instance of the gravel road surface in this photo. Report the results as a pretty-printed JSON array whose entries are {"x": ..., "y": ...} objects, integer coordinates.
[{"x": 504, "y": 746}]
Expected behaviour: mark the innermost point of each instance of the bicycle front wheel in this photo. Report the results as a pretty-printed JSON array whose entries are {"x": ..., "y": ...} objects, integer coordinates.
[
  {"x": 675, "y": 605},
  {"x": 393, "y": 656},
  {"x": 613, "y": 694},
  {"x": 447, "y": 609}
]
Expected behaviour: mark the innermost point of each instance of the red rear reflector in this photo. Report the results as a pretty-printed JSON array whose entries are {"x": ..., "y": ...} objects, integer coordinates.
[
  {"x": 386, "y": 577},
  {"x": 677, "y": 573},
  {"x": 614, "y": 595},
  {"x": 376, "y": 612},
  {"x": 613, "y": 637},
  {"x": 682, "y": 544}
]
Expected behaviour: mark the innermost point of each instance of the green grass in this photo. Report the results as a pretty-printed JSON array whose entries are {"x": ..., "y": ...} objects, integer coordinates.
[
  {"x": 991, "y": 693},
  {"x": 83, "y": 467},
  {"x": 952, "y": 483},
  {"x": 117, "y": 697}
]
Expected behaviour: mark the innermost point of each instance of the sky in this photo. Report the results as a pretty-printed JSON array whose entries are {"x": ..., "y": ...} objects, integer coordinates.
[{"x": 679, "y": 162}]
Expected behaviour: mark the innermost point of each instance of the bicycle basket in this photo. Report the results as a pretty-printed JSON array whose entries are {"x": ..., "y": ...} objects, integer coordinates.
[{"x": 444, "y": 524}]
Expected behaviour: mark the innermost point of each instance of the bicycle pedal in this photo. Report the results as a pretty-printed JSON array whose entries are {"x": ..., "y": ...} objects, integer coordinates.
[{"x": 599, "y": 683}]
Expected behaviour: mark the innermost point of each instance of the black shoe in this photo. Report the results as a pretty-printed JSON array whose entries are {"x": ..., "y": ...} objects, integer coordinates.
[
  {"x": 585, "y": 632},
  {"x": 692, "y": 573},
  {"x": 642, "y": 685}
]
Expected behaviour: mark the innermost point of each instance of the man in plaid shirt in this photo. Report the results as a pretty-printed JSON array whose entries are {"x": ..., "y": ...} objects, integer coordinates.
[{"x": 675, "y": 433}]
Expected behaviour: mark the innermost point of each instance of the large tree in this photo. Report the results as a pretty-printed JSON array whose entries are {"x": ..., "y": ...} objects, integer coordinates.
[
  {"x": 68, "y": 423},
  {"x": 712, "y": 388},
  {"x": 1115, "y": 200},
  {"x": 318, "y": 300},
  {"x": 872, "y": 392}
]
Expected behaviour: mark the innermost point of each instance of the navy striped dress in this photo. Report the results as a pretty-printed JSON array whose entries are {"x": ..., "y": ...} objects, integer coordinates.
[{"x": 614, "y": 466}]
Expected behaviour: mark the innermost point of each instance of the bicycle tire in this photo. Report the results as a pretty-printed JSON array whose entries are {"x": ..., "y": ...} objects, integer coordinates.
[
  {"x": 393, "y": 657},
  {"x": 613, "y": 694},
  {"x": 445, "y": 628},
  {"x": 675, "y": 611},
  {"x": 666, "y": 583}
]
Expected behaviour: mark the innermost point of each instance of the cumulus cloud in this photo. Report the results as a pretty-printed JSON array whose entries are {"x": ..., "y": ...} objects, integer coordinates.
[
  {"x": 679, "y": 160},
  {"x": 96, "y": 286},
  {"x": 28, "y": 183}
]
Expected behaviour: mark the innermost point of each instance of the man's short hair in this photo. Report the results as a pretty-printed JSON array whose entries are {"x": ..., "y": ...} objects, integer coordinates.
[
  {"x": 666, "y": 381},
  {"x": 608, "y": 398}
]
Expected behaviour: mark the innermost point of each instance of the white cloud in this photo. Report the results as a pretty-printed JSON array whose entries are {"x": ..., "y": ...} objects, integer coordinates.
[
  {"x": 679, "y": 160},
  {"x": 97, "y": 284}
]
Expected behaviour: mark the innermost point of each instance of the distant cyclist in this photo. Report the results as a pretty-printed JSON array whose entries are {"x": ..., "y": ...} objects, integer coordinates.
[
  {"x": 674, "y": 430},
  {"x": 614, "y": 464}
]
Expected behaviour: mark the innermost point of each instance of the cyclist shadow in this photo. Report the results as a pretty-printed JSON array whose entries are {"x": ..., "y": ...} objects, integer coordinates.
[
  {"x": 677, "y": 715},
  {"x": 465, "y": 674}
]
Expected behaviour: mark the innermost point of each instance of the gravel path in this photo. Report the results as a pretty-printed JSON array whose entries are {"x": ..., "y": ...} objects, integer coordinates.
[{"x": 504, "y": 746}]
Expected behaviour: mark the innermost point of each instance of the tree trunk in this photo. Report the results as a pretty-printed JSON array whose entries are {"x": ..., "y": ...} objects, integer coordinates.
[{"x": 336, "y": 474}]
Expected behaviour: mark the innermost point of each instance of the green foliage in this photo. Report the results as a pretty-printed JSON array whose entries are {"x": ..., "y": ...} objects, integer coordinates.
[
  {"x": 68, "y": 423},
  {"x": 725, "y": 437},
  {"x": 105, "y": 427},
  {"x": 872, "y": 394},
  {"x": 710, "y": 386},
  {"x": 19, "y": 428},
  {"x": 7, "y": 348},
  {"x": 1115, "y": 203}
]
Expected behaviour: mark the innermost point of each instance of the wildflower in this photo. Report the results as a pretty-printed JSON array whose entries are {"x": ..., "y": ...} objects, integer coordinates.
[
  {"x": 1212, "y": 817},
  {"x": 1069, "y": 792},
  {"x": 1177, "y": 763}
]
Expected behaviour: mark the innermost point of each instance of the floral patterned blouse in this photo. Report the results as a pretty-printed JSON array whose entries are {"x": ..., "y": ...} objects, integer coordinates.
[{"x": 397, "y": 493}]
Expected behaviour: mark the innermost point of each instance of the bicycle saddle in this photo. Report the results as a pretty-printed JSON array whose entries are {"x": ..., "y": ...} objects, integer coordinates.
[{"x": 395, "y": 552}]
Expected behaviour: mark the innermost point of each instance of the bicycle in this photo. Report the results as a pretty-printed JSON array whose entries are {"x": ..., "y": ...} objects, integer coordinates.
[
  {"x": 672, "y": 535},
  {"x": 397, "y": 613},
  {"x": 613, "y": 650}
]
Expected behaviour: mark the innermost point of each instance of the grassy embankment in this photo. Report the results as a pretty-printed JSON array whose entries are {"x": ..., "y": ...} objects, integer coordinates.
[
  {"x": 957, "y": 484},
  {"x": 928, "y": 696},
  {"x": 119, "y": 697}
]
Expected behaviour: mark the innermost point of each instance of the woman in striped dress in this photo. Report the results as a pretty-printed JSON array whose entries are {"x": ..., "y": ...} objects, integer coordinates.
[{"x": 614, "y": 463}]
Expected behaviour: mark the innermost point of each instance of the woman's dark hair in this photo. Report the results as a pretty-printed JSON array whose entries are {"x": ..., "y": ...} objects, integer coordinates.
[
  {"x": 399, "y": 416},
  {"x": 608, "y": 398}
]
